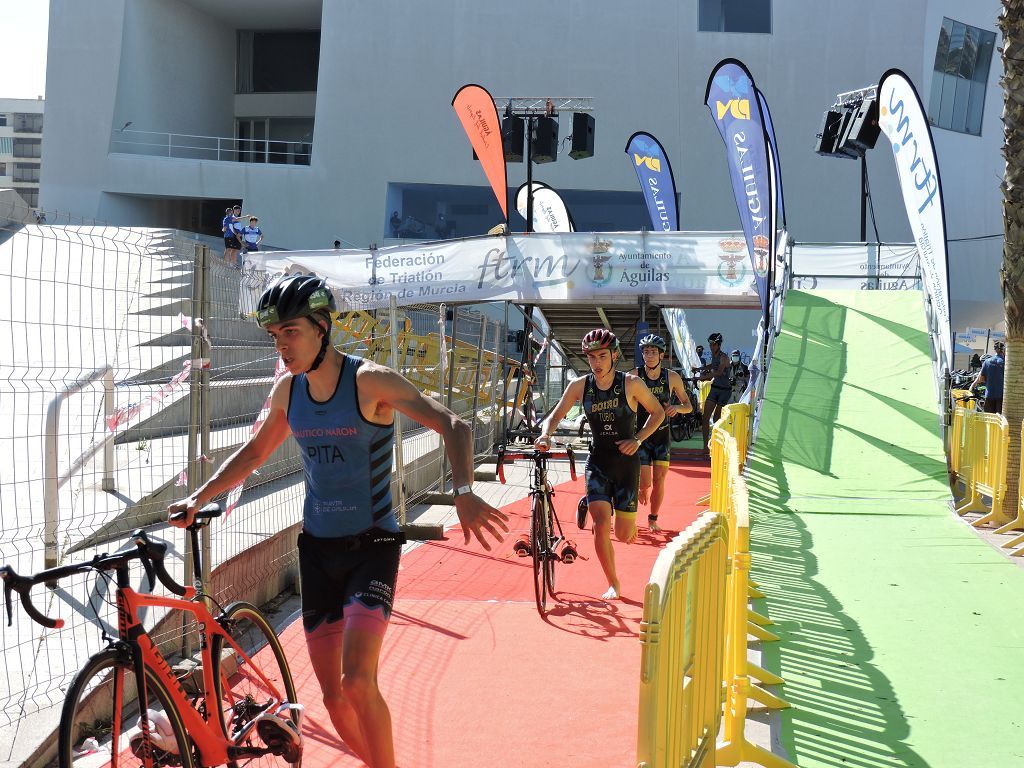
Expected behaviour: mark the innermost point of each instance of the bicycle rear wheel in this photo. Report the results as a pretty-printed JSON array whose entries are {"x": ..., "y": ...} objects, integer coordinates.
[
  {"x": 538, "y": 548},
  {"x": 248, "y": 685},
  {"x": 99, "y": 724}
]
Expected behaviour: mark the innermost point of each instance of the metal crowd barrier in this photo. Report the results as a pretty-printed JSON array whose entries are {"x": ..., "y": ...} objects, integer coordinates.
[
  {"x": 682, "y": 644},
  {"x": 686, "y": 645},
  {"x": 983, "y": 465}
]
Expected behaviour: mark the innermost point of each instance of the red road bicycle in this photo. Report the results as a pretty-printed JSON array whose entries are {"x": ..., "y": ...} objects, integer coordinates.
[
  {"x": 127, "y": 706},
  {"x": 546, "y": 545}
]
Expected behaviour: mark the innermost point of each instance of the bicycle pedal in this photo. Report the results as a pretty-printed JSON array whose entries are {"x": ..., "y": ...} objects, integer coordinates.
[
  {"x": 567, "y": 552},
  {"x": 522, "y": 546}
]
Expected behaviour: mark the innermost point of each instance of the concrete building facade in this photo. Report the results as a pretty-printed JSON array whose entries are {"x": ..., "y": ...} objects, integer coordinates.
[{"x": 325, "y": 118}]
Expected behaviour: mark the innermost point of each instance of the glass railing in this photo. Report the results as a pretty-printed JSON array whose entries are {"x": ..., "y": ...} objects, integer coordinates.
[{"x": 223, "y": 148}]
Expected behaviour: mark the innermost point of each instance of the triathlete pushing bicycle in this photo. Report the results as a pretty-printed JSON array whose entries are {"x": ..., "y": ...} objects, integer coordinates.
[
  {"x": 341, "y": 411},
  {"x": 610, "y": 399}
]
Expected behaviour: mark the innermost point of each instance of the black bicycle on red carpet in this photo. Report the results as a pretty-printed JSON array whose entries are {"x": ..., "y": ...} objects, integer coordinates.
[{"x": 548, "y": 544}]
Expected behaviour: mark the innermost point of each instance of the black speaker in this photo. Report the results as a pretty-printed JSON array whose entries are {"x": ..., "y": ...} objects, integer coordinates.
[
  {"x": 513, "y": 131},
  {"x": 545, "y": 140},
  {"x": 842, "y": 149},
  {"x": 863, "y": 130},
  {"x": 828, "y": 133},
  {"x": 582, "y": 136}
]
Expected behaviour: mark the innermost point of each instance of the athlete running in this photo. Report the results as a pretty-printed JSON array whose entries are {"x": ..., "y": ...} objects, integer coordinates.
[
  {"x": 654, "y": 453},
  {"x": 610, "y": 399},
  {"x": 341, "y": 411},
  {"x": 717, "y": 371}
]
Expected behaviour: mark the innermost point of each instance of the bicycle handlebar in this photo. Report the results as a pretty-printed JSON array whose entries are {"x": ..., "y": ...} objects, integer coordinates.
[
  {"x": 150, "y": 552},
  {"x": 505, "y": 457}
]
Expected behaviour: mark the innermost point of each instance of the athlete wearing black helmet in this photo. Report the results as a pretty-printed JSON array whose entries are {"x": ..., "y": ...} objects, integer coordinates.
[
  {"x": 717, "y": 372},
  {"x": 656, "y": 449},
  {"x": 341, "y": 411},
  {"x": 610, "y": 400}
]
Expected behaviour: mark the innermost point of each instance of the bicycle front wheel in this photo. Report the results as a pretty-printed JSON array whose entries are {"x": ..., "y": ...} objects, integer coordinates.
[
  {"x": 539, "y": 541},
  {"x": 252, "y": 682},
  {"x": 99, "y": 725},
  {"x": 551, "y": 556}
]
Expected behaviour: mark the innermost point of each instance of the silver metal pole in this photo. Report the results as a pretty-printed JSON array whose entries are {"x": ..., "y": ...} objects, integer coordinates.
[
  {"x": 476, "y": 379},
  {"x": 441, "y": 366},
  {"x": 205, "y": 538},
  {"x": 451, "y": 386},
  {"x": 108, "y": 443},
  {"x": 399, "y": 460}
]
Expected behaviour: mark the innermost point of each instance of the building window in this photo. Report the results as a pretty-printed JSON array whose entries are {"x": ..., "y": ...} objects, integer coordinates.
[
  {"x": 287, "y": 140},
  {"x": 28, "y": 148},
  {"x": 278, "y": 62},
  {"x": 3, "y": 119},
  {"x": 28, "y": 122},
  {"x": 439, "y": 211},
  {"x": 735, "y": 16},
  {"x": 26, "y": 172},
  {"x": 962, "y": 61},
  {"x": 30, "y": 196},
  {"x": 3, "y": 169}
]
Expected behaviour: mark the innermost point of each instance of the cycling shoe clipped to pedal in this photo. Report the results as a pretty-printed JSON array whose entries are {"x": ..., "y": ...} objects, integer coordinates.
[
  {"x": 567, "y": 551},
  {"x": 164, "y": 745},
  {"x": 521, "y": 547},
  {"x": 281, "y": 733}
]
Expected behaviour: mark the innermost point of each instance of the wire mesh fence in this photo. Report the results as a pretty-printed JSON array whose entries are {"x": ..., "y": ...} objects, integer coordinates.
[{"x": 132, "y": 368}]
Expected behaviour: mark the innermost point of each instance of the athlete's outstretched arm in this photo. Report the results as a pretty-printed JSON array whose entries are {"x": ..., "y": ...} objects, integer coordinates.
[
  {"x": 675, "y": 382},
  {"x": 573, "y": 393},
  {"x": 392, "y": 389},
  {"x": 241, "y": 463}
]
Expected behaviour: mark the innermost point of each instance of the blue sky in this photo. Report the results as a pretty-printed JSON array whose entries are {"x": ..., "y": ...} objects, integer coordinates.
[{"x": 23, "y": 53}]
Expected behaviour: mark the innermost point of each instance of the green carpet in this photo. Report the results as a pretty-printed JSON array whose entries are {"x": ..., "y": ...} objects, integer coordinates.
[{"x": 902, "y": 632}]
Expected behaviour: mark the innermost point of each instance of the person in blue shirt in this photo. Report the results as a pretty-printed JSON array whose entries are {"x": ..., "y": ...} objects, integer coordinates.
[
  {"x": 252, "y": 235},
  {"x": 341, "y": 411},
  {"x": 227, "y": 228},
  {"x": 991, "y": 376}
]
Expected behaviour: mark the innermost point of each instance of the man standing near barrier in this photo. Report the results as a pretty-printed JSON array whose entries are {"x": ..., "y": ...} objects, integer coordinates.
[
  {"x": 656, "y": 449},
  {"x": 610, "y": 400},
  {"x": 991, "y": 376},
  {"x": 341, "y": 411},
  {"x": 717, "y": 372}
]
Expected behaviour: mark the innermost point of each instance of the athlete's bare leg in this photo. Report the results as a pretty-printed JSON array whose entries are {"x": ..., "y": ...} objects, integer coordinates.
[
  {"x": 657, "y": 494},
  {"x": 601, "y": 515},
  {"x": 345, "y": 664},
  {"x": 645, "y": 483}
]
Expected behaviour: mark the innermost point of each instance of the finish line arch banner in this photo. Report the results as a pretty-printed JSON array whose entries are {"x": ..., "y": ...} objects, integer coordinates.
[
  {"x": 902, "y": 119},
  {"x": 574, "y": 266}
]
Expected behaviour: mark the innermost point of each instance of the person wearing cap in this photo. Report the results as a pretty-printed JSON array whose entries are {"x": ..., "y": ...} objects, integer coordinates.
[
  {"x": 610, "y": 401},
  {"x": 341, "y": 411},
  {"x": 991, "y": 375},
  {"x": 717, "y": 372},
  {"x": 656, "y": 449}
]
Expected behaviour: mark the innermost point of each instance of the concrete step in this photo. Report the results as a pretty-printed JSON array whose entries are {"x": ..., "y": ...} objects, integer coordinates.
[
  {"x": 149, "y": 471},
  {"x": 226, "y": 362},
  {"x": 232, "y": 403}
]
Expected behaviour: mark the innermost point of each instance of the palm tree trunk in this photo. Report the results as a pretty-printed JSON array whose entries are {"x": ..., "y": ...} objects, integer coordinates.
[{"x": 1011, "y": 274}]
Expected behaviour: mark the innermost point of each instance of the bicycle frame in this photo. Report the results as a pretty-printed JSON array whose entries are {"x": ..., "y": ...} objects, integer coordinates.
[{"x": 212, "y": 741}]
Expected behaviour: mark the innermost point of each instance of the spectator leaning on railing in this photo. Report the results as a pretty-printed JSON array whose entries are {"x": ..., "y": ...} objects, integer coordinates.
[{"x": 992, "y": 377}]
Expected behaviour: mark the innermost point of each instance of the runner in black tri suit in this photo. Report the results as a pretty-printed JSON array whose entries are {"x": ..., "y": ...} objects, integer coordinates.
[
  {"x": 654, "y": 453},
  {"x": 721, "y": 388},
  {"x": 341, "y": 411},
  {"x": 610, "y": 400}
]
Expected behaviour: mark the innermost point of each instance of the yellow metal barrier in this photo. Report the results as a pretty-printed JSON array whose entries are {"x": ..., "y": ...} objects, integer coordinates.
[
  {"x": 705, "y": 388},
  {"x": 735, "y": 420},
  {"x": 682, "y": 642},
  {"x": 734, "y": 747},
  {"x": 983, "y": 465},
  {"x": 957, "y": 434},
  {"x": 1018, "y": 521}
]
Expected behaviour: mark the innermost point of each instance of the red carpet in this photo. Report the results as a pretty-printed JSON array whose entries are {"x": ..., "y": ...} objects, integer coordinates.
[{"x": 474, "y": 676}]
